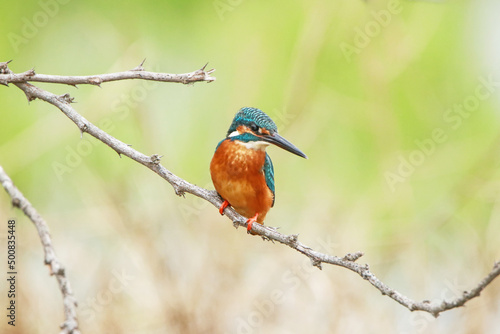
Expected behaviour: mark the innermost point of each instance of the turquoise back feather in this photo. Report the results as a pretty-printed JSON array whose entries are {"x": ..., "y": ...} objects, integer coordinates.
[{"x": 269, "y": 174}]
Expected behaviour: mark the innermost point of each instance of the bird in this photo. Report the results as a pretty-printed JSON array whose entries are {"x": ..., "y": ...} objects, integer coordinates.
[{"x": 242, "y": 172}]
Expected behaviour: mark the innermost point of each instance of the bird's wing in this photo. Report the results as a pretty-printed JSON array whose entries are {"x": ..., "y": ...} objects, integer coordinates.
[{"x": 269, "y": 174}]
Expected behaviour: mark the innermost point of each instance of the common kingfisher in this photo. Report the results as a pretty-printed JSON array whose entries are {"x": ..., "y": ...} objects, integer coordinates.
[{"x": 242, "y": 171}]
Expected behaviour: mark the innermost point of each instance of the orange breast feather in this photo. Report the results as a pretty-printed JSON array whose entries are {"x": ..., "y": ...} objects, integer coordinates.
[{"x": 238, "y": 176}]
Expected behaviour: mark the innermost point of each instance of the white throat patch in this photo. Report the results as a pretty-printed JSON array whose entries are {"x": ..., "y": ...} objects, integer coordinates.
[{"x": 254, "y": 145}]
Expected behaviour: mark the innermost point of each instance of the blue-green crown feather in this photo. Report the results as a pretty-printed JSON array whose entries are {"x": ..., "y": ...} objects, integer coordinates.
[{"x": 247, "y": 116}]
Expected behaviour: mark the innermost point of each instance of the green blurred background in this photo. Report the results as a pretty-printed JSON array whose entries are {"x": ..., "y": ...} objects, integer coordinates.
[{"x": 387, "y": 99}]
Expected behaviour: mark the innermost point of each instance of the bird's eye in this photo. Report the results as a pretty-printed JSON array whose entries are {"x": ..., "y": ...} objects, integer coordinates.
[{"x": 254, "y": 127}]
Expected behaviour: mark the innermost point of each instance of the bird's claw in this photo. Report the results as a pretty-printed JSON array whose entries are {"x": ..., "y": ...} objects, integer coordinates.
[
  {"x": 224, "y": 205},
  {"x": 250, "y": 221}
]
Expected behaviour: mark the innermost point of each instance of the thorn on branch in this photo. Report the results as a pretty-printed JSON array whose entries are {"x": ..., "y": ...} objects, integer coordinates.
[
  {"x": 29, "y": 96},
  {"x": 265, "y": 238},
  {"x": 207, "y": 72},
  {"x": 3, "y": 66},
  {"x": 95, "y": 81},
  {"x": 66, "y": 98},
  {"x": 179, "y": 191},
  {"x": 365, "y": 272},
  {"x": 139, "y": 68},
  {"x": 59, "y": 271},
  {"x": 68, "y": 326},
  {"x": 352, "y": 257},
  {"x": 83, "y": 129},
  {"x": 155, "y": 159},
  {"x": 29, "y": 73},
  {"x": 201, "y": 74},
  {"x": 292, "y": 239},
  {"x": 316, "y": 263},
  {"x": 16, "y": 202}
]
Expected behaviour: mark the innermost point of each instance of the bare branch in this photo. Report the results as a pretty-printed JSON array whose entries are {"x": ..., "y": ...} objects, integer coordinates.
[
  {"x": 70, "y": 324},
  {"x": 181, "y": 186},
  {"x": 98, "y": 79}
]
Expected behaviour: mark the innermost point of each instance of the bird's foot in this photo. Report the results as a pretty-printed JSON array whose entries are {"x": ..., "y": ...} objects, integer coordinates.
[
  {"x": 224, "y": 205},
  {"x": 250, "y": 221}
]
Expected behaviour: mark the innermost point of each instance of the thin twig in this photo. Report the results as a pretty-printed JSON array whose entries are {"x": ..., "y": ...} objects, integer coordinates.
[
  {"x": 98, "y": 79},
  {"x": 181, "y": 186},
  {"x": 70, "y": 324}
]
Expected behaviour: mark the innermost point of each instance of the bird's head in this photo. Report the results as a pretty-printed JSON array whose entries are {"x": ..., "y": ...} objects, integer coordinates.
[{"x": 254, "y": 129}]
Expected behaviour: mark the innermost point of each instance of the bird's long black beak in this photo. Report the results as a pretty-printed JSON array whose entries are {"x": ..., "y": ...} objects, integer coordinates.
[{"x": 279, "y": 141}]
